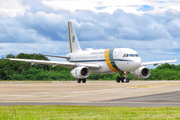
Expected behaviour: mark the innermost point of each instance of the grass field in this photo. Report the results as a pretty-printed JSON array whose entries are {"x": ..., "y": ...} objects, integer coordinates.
[{"x": 56, "y": 112}]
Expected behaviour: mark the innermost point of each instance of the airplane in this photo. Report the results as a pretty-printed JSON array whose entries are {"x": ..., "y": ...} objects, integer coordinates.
[{"x": 84, "y": 62}]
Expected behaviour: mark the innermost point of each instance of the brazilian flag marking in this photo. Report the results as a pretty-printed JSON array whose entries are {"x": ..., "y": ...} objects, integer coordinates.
[
  {"x": 110, "y": 61},
  {"x": 73, "y": 38}
]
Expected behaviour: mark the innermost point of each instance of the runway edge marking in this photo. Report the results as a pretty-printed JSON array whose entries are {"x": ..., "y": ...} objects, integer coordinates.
[{"x": 153, "y": 85}]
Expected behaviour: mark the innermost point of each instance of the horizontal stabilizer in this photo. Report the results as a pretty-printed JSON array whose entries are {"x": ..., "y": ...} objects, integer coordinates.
[{"x": 57, "y": 56}]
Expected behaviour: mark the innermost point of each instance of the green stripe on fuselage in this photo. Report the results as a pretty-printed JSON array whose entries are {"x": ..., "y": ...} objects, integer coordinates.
[{"x": 112, "y": 60}]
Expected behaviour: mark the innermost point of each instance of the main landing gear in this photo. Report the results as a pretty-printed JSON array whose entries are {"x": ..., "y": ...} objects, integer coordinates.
[
  {"x": 83, "y": 80},
  {"x": 121, "y": 78}
]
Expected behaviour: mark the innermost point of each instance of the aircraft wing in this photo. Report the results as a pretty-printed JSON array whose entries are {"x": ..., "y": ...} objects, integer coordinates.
[
  {"x": 158, "y": 62},
  {"x": 54, "y": 63}
]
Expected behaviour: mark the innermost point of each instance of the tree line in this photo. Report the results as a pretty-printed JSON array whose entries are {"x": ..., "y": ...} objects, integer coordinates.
[{"x": 16, "y": 70}]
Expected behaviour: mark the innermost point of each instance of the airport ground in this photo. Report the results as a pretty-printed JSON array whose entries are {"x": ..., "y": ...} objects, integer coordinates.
[{"x": 92, "y": 93}]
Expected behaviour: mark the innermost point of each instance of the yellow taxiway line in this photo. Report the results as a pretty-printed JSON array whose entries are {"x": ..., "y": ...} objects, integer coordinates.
[{"x": 153, "y": 85}]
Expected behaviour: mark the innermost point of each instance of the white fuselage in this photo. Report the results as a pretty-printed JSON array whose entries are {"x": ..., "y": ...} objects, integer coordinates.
[{"x": 110, "y": 60}]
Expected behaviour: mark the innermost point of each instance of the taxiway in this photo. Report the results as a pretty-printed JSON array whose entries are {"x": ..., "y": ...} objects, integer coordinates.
[{"x": 93, "y": 93}]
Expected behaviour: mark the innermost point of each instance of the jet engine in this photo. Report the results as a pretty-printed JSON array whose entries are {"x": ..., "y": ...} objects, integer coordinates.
[
  {"x": 80, "y": 72},
  {"x": 141, "y": 73}
]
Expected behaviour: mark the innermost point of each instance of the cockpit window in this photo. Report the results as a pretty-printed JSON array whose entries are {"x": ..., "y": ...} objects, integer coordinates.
[
  {"x": 136, "y": 55},
  {"x": 124, "y": 55},
  {"x": 130, "y": 55}
]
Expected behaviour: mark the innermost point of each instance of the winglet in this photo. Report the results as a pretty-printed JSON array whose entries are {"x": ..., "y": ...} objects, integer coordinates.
[
  {"x": 2, "y": 58},
  {"x": 176, "y": 60}
]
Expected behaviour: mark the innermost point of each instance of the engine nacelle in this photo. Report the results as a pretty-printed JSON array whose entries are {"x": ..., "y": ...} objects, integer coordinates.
[
  {"x": 80, "y": 72},
  {"x": 141, "y": 73}
]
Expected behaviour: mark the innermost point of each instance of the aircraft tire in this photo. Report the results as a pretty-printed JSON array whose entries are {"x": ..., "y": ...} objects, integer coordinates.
[
  {"x": 118, "y": 79},
  {"x": 78, "y": 80},
  {"x": 84, "y": 80},
  {"x": 127, "y": 80},
  {"x": 122, "y": 80}
]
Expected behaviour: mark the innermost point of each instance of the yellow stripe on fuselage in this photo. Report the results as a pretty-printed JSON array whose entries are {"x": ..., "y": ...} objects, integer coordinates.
[{"x": 108, "y": 60}]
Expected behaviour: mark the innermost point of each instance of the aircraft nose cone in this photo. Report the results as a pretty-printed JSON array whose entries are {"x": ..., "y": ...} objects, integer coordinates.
[{"x": 132, "y": 65}]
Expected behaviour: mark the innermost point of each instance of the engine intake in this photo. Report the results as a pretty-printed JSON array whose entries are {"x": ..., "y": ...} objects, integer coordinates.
[
  {"x": 141, "y": 73},
  {"x": 80, "y": 72}
]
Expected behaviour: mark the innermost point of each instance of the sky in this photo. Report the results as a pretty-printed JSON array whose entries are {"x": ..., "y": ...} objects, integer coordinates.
[{"x": 150, "y": 27}]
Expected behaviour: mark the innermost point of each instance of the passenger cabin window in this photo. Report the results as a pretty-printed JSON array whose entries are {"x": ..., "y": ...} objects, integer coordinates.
[{"x": 130, "y": 55}]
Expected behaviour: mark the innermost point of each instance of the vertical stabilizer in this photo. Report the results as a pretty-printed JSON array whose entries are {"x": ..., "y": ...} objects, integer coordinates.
[{"x": 73, "y": 40}]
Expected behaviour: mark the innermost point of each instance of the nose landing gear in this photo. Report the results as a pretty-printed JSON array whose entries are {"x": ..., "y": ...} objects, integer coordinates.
[
  {"x": 121, "y": 78},
  {"x": 79, "y": 80}
]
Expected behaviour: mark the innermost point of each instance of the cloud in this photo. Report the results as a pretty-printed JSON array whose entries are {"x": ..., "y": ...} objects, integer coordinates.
[
  {"x": 12, "y": 8},
  {"x": 174, "y": 28},
  {"x": 138, "y": 7}
]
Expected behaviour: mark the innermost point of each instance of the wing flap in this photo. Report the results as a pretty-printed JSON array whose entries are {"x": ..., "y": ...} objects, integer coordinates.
[
  {"x": 158, "y": 62},
  {"x": 54, "y": 63}
]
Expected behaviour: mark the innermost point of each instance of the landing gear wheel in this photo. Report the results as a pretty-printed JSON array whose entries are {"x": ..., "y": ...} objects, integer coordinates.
[
  {"x": 118, "y": 79},
  {"x": 125, "y": 80},
  {"x": 83, "y": 80},
  {"x": 122, "y": 80},
  {"x": 78, "y": 80}
]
